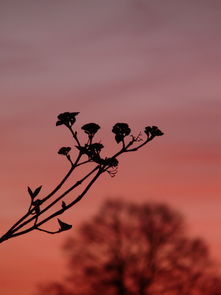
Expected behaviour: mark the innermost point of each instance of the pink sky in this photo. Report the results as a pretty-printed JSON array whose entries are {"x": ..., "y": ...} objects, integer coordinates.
[{"x": 137, "y": 61}]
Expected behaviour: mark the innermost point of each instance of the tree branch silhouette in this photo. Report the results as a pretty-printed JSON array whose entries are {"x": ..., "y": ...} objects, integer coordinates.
[{"x": 39, "y": 207}]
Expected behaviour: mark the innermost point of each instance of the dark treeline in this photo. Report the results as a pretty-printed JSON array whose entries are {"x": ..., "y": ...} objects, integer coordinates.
[{"x": 131, "y": 249}]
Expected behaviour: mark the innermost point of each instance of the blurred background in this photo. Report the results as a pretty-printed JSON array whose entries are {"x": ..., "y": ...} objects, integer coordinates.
[{"x": 141, "y": 62}]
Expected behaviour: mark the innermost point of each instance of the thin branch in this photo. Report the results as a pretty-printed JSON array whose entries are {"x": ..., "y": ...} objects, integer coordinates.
[
  {"x": 48, "y": 231},
  {"x": 77, "y": 183},
  {"x": 58, "y": 212},
  {"x": 74, "y": 165},
  {"x": 75, "y": 201},
  {"x": 141, "y": 145},
  {"x": 74, "y": 134}
]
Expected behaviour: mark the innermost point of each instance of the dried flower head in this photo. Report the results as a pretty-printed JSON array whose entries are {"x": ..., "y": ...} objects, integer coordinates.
[
  {"x": 111, "y": 162},
  {"x": 91, "y": 128},
  {"x": 120, "y": 130},
  {"x": 64, "y": 150},
  {"x": 153, "y": 131},
  {"x": 67, "y": 119},
  {"x": 97, "y": 147}
]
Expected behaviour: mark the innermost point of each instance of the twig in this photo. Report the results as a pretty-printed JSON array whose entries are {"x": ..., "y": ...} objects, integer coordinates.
[{"x": 92, "y": 151}]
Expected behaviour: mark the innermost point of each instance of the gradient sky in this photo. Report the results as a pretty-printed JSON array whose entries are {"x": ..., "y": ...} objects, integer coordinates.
[{"x": 144, "y": 62}]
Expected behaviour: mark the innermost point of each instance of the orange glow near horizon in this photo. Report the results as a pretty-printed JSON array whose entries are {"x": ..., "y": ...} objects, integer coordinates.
[{"x": 113, "y": 61}]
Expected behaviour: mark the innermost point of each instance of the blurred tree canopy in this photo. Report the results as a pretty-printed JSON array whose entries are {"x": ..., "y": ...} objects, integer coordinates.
[{"x": 136, "y": 249}]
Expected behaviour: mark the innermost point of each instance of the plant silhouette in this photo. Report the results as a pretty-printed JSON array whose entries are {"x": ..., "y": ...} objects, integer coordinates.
[
  {"x": 88, "y": 154},
  {"x": 129, "y": 249}
]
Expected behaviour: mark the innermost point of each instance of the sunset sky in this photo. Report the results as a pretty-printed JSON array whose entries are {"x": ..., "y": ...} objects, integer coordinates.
[{"x": 144, "y": 62}]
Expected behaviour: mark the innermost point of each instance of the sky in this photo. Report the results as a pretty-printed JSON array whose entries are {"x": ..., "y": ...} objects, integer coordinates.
[{"x": 144, "y": 62}]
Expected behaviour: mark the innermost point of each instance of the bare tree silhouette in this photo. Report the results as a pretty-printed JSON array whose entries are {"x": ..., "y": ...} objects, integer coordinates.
[
  {"x": 129, "y": 249},
  {"x": 88, "y": 157}
]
